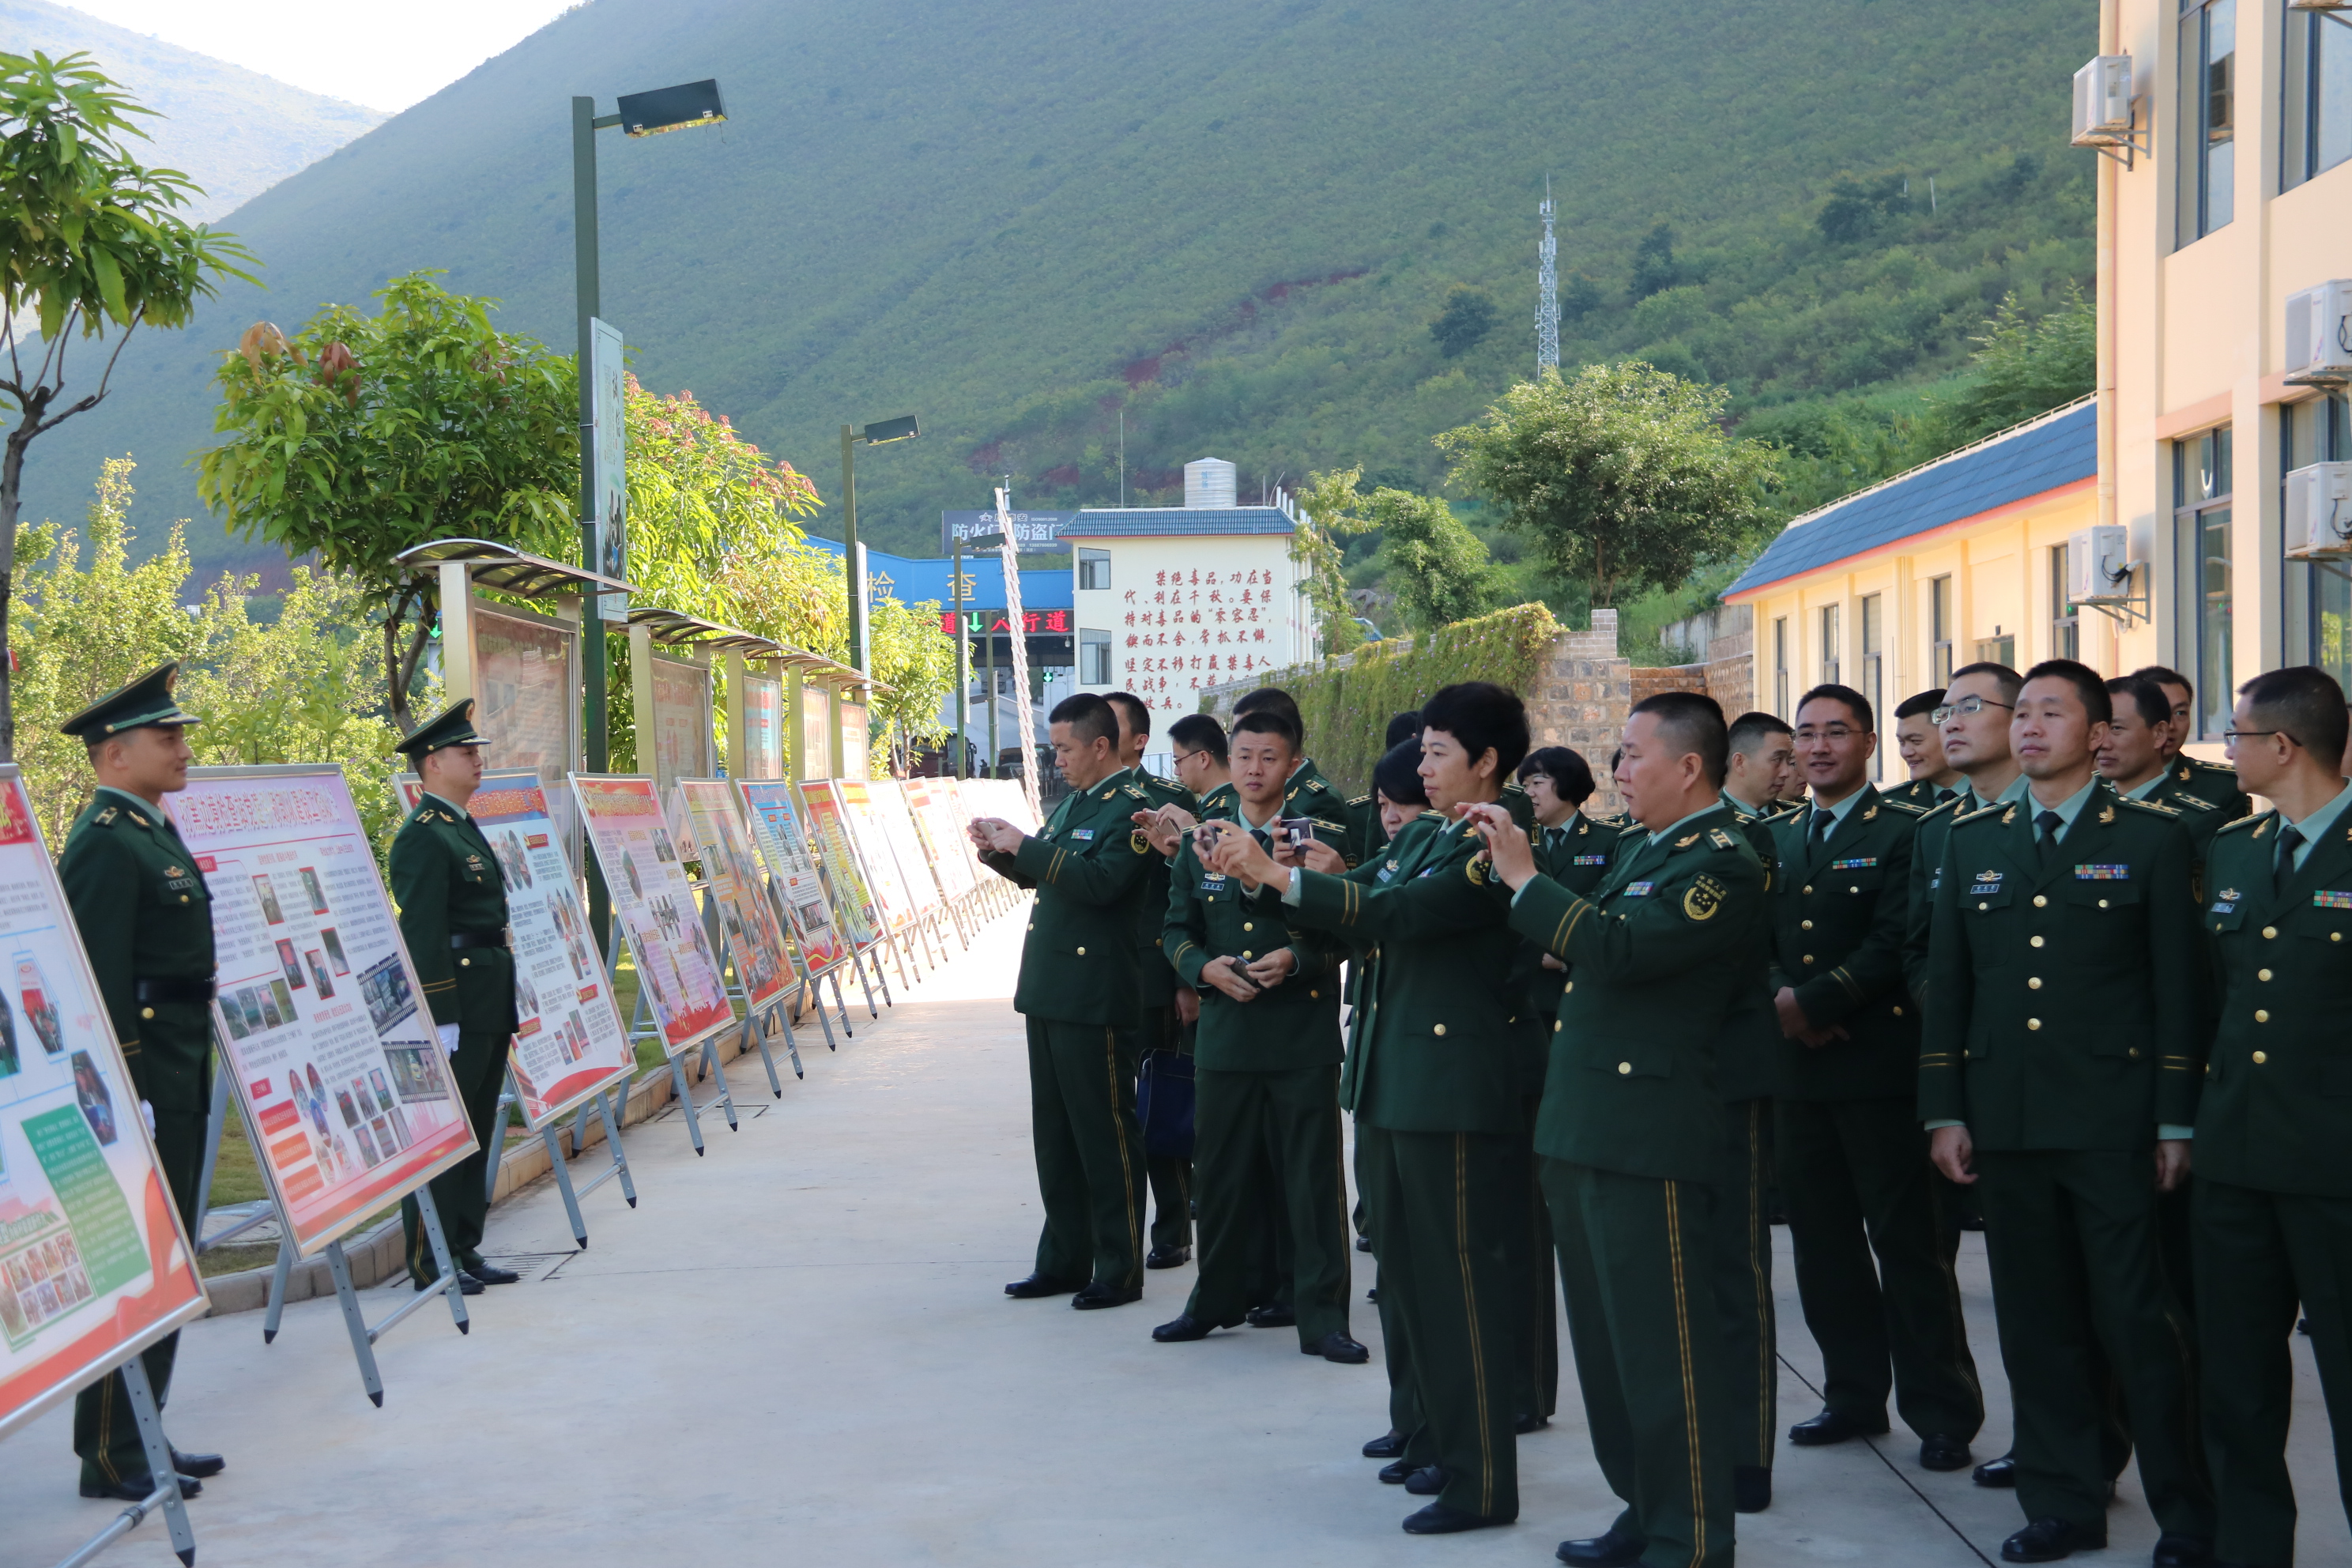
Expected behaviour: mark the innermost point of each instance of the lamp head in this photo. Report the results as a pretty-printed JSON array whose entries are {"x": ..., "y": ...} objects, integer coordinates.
[
  {"x": 671, "y": 108},
  {"x": 899, "y": 429}
]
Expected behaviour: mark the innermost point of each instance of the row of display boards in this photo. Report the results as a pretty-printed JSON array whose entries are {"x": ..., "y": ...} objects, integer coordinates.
[{"x": 333, "y": 1062}]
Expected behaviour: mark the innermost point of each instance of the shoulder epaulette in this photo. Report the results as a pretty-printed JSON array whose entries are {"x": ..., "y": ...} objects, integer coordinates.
[
  {"x": 1720, "y": 839},
  {"x": 2211, "y": 767},
  {"x": 2192, "y": 802},
  {"x": 2243, "y": 822},
  {"x": 2149, "y": 806},
  {"x": 105, "y": 818},
  {"x": 1359, "y": 800},
  {"x": 1981, "y": 811},
  {"x": 1326, "y": 822},
  {"x": 1899, "y": 803},
  {"x": 1629, "y": 828},
  {"x": 1941, "y": 805}
]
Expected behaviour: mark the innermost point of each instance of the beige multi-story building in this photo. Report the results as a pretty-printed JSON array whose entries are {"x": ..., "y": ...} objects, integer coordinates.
[{"x": 2225, "y": 189}]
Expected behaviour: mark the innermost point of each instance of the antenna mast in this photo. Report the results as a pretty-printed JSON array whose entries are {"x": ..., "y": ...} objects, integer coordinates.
[{"x": 1547, "y": 291}]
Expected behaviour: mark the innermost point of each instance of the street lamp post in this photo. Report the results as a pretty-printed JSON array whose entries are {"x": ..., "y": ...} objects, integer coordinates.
[{"x": 899, "y": 430}]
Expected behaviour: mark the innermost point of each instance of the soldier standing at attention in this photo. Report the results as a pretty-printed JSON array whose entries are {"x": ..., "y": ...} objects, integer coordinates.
[
  {"x": 453, "y": 915},
  {"x": 147, "y": 924},
  {"x": 1168, "y": 1004},
  {"x": 1760, "y": 761},
  {"x": 1933, "y": 778},
  {"x": 2211, "y": 781},
  {"x": 1852, "y": 1160},
  {"x": 1079, "y": 991},
  {"x": 2058, "y": 1072},
  {"x": 2131, "y": 759},
  {"x": 1631, "y": 1131},
  {"x": 2272, "y": 1213}
]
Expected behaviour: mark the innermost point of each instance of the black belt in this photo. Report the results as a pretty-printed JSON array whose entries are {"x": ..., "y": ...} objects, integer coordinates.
[
  {"x": 459, "y": 939},
  {"x": 169, "y": 989}
]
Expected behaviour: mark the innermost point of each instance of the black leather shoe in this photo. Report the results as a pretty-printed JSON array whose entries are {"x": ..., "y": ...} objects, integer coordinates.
[
  {"x": 2047, "y": 1541},
  {"x": 490, "y": 1273},
  {"x": 201, "y": 1466},
  {"x": 1168, "y": 1257},
  {"x": 1373, "y": 1295},
  {"x": 1751, "y": 1488},
  {"x": 1336, "y": 1346},
  {"x": 1101, "y": 1295},
  {"x": 1527, "y": 1423},
  {"x": 1181, "y": 1328},
  {"x": 1391, "y": 1446},
  {"x": 2000, "y": 1473},
  {"x": 1038, "y": 1285},
  {"x": 1439, "y": 1520},
  {"x": 1397, "y": 1472},
  {"x": 1273, "y": 1315},
  {"x": 466, "y": 1284},
  {"x": 1363, "y": 1243},
  {"x": 136, "y": 1488},
  {"x": 1830, "y": 1427},
  {"x": 1614, "y": 1549},
  {"x": 1426, "y": 1481},
  {"x": 1937, "y": 1452},
  {"x": 2175, "y": 1550}
]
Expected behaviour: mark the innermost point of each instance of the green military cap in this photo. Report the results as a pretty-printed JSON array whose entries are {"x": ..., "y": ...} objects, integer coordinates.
[
  {"x": 453, "y": 727},
  {"x": 146, "y": 701}
]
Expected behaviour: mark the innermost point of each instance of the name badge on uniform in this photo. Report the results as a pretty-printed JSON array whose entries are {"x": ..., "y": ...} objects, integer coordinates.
[
  {"x": 1861, "y": 863},
  {"x": 1083, "y": 835},
  {"x": 2326, "y": 898},
  {"x": 1212, "y": 881},
  {"x": 2225, "y": 902},
  {"x": 1638, "y": 889},
  {"x": 2102, "y": 873},
  {"x": 1590, "y": 861}
]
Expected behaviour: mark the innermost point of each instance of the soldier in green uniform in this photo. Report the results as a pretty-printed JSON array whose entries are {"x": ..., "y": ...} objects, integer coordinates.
[
  {"x": 1972, "y": 722},
  {"x": 2208, "y": 781},
  {"x": 1200, "y": 758},
  {"x": 2273, "y": 1195},
  {"x": 2058, "y": 1072},
  {"x": 1161, "y": 1020},
  {"x": 453, "y": 915},
  {"x": 1308, "y": 792},
  {"x": 146, "y": 923},
  {"x": 1932, "y": 778},
  {"x": 2132, "y": 759},
  {"x": 1435, "y": 1076},
  {"x": 1631, "y": 1131},
  {"x": 1760, "y": 758},
  {"x": 1078, "y": 990},
  {"x": 1268, "y": 1072},
  {"x": 1852, "y": 1160},
  {"x": 1365, "y": 828}
]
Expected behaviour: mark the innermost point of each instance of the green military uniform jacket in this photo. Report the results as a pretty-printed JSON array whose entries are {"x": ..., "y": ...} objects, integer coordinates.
[
  {"x": 1221, "y": 801},
  {"x": 2071, "y": 1004},
  {"x": 1309, "y": 794},
  {"x": 145, "y": 914},
  {"x": 1920, "y": 793},
  {"x": 1295, "y": 1024},
  {"x": 1089, "y": 865},
  {"x": 2202, "y": 817},
  {"x": 2210, "y": 782},
  {"x": 1841, "y": 914},
  {"x": 2276, "y": 1113},
  {"x": 446, "y": 880},
  {"x": 1654, "y": 956},
  {"x": 1441, "y": 1044},
  {"x": 1575, "y": 855},
  {"x": 1155, "y": 982},
  {"x": 1748, "y": 1053},
  {"x": 1365, "y": 833}
]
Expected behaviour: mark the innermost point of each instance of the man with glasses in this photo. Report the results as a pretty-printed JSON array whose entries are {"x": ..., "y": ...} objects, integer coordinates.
[
  {"x": 2274, "y": 1197},
  {"x": 2132, "y": 761},
  {"x": 1972, "y": 724},
  {"x": 2209, "y": 780},
  {"x": 1933, "y": 778},
  {"x": 1199, "y": 757},
  {"x": 1852, "y": 1160}
]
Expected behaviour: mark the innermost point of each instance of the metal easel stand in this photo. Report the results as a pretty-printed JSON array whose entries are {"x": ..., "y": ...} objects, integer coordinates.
[
  {"x": 166, "y": 1495},
  {"x": 873, "y": 977},
  {"x": 363, "y": 1336},
  {"x": 709, "y": 1067},
  {"x": 618, "y": 1165},
  {"x": 753, "y": 1035},
  {"x": 214, "y": 1124},
  {"x": 643, "y": 1027},
  {"x": 497, "y": 1152}
]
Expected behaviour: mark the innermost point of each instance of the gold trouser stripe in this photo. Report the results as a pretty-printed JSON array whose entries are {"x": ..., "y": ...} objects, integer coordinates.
[
  {"x": 105, "y": 1426},
  {"x": 1690, "y": 1392},
  {"x": 1470, "y": 1314},
  {"x": 1759, "y": 1264},
  {"x": 1126, "y": 1166}
]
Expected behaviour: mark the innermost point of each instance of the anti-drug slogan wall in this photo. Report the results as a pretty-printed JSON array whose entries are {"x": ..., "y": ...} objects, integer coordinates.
[
  {"x": 654, "y": 903},
  {"x": 93, "y": 1265},
  {"x": 336, "y": 1068}
]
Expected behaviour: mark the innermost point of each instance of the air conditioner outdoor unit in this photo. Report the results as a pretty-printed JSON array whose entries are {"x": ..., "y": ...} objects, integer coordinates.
[
  {"x": 2319, "y": 522},
  {"x": 2102, "y": 102},
  {"x": 2319, "y": 335},
  {"x": 2099, "y": 566}
]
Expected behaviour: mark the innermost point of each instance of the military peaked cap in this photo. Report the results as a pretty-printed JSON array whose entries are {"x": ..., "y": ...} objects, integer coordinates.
[
  {"x": 146, "y": 701},
  {"x": 453, "y": 727}
]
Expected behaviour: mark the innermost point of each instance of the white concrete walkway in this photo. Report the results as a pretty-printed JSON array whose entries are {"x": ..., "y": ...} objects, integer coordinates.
[{"x": 797, "y": 1351}]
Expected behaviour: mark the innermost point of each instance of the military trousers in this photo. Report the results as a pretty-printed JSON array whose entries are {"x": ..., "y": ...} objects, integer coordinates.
[
  {"x": 2258, "y": 1255},
  {"x": 1089, "y": 1150},
  {"x": 1238, "y": 1118},
  {"x": 1396, "y": 1356},
  {"x": 1634, "y": 1265},
  {"x": 1742, "y": 1229},
  {"x": 105, "y": 1434},
  {"x": 1875, "y": 1247},
  {"x": 1171, "y": 1177},
  {"x": 476, "y": 1073},
  {"x": 1438, "y": 1203},
  {"x": 1536, "y": 1395},
  {"x": 2077, "y": 1274}
]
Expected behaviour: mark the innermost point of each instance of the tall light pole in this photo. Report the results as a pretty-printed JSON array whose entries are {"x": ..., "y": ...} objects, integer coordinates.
[
  {"x": 641, "y": 114},
  {"x": 902, "y": 428}
]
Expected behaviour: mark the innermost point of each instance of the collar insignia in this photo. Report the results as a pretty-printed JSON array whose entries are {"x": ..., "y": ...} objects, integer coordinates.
[
  {"x": 139, "y": 819},
  {"x": 1687, "y": 840},
  {"x": 2008, "y": 816},
  {"x": 2109, "y": 815},
  {"x": 2261, "y": 827},
  {"x": 1870, "y": 812},
  {"x": 2183, "y": 773}
]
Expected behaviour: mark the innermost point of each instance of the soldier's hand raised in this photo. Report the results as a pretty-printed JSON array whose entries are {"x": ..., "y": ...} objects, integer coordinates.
[
  {"x": 995, "y": 833},
  {"x": 1317, "y": 855},
  {"x": 1507, "y": 844}
]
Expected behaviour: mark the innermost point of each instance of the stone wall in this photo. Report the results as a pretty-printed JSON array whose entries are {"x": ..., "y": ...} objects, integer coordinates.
[{"x": 1581, "y": 699}]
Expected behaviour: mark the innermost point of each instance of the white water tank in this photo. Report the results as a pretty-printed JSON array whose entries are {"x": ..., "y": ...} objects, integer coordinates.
[{"x": 1208, "y": 483}]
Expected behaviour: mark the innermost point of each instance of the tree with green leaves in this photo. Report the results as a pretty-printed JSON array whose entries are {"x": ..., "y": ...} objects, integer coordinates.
[
  {"x": 1622, "y": 476},
  {"x": 1329, "y": 510},
  {"x": 94, "y": 248},
  {"x": 1437, "y": 568},
  {"x": 2024, "y": 366},
  {"x": 1467, "y": 316},
  {"x": 364, "y": 435}
]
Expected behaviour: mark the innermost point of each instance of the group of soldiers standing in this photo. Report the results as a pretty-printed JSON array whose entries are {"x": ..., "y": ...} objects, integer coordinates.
[{"x": 2029, "y": 991}]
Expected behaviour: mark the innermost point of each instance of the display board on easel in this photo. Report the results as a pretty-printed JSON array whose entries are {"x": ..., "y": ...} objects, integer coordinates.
[
  {"x": 893, "y": 895},
  {"x": 793, "y": 873},
  {"x": 836, "y": 854},
  {"x": 945, "y": 847},
  {"x": 653, "y": 904},
  {"x": 722, "y": 844}
]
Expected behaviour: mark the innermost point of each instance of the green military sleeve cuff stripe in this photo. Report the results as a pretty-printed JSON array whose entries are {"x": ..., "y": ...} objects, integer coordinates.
[{"x": 1846, "y": 980}]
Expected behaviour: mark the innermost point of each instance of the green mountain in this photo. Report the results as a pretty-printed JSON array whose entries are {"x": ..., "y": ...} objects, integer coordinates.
[
  {"x": 1233, "y": 223},
  {"x": 234, "y": 131}
]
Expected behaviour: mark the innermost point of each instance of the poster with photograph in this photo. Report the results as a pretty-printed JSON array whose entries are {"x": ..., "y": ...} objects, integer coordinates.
[
  {"x": 93, "y": 1264},
  {"x": 681, "y": 726},
  {"x": 893, "y": 895},
  {"x": 763, "y": 727},
  {"x": 893, "y": 815},
  {"x": 724, "y": 847},
  {"x": 945, "y": 846},
  {"x": 527, "y": 702},
  {"x": 653, "y": 904},
  {"x": 338, "y": 1071},
  {"x": 816, "y": 731},
  {"x": 837, "y": 856},
  {"x": 793, "y": 874}
]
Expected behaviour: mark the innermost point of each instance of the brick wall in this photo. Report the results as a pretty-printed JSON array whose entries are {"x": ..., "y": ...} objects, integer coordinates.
[{"x": 1580, "y": 700}]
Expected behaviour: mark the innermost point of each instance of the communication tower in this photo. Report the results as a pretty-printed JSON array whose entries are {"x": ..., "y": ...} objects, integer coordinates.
[{"x": 1547, "y": 291}]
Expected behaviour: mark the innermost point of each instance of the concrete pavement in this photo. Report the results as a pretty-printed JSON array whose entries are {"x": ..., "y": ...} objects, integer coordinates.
[{"x": 797, "y": 1349}]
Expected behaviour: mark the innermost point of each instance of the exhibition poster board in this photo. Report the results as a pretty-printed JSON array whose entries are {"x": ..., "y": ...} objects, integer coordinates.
[
  {"x": 855, "y": 739},
  {"x": 793, "y": 872},
  {"x": 944, "y": 843},
  {"x": 816, "y": 731},
  {"x": 526, "y": 700},
  {"x": 893, "y": 894},
  {"x": 724, "y": 848},
  {"x": 894, "y": 815},
  {"x": 763, "y": 727},
  {"x": 94, "y": 1267},
  {"x": 653, "y": 902},
  {"x": 681, "y": 720},
  {"x": 319, "y": 1016},
  {"x": 837, "y": 856}
]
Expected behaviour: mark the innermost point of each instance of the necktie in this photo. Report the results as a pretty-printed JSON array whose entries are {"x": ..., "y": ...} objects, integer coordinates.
[
  {"x": 1823, "y": 822},
  {"x": 2290, "y": 839},
  {"x": 2049, "y": 822}
]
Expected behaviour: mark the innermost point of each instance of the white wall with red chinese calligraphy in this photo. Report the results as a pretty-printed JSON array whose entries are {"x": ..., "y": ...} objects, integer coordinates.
[{"x": 1184, "y": 612}]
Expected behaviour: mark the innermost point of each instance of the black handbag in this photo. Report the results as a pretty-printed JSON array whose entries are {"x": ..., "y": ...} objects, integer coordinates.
[{"x": 1163, "y": 1103}]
